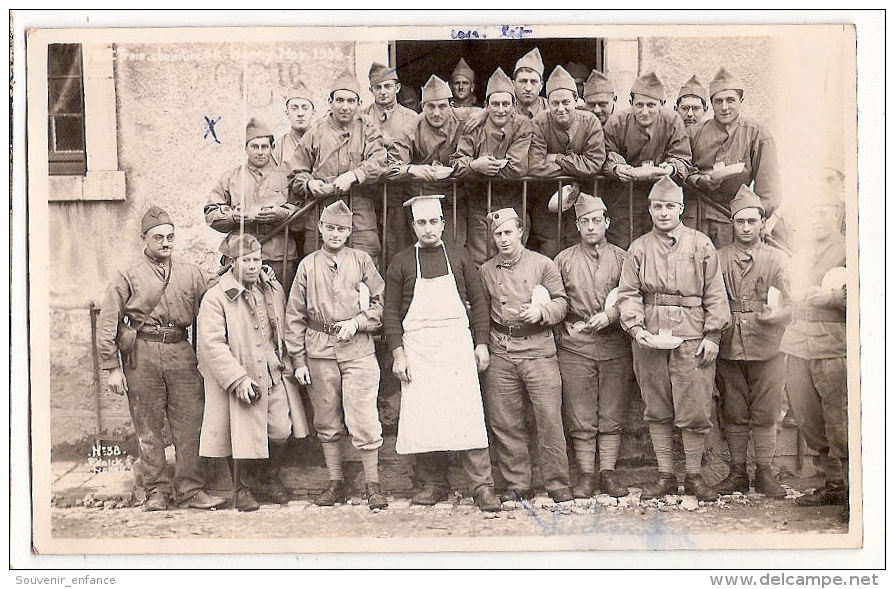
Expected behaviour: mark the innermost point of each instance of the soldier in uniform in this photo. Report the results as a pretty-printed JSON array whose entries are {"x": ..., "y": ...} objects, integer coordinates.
[
  {"x": 145, "y": 314},
  {"x": 594, "y": 353},
  {"x": 253, "y": 198},
  {"x": 526, "y": 297},
  {"x": 439, "y": 347},
  {"x": 729, "y": 138},
  {"x": 251, "y": 405},
  {"x": 815, "y": 344},
  {"x": 342, "y": 150},
  {"x": 566, "y": 142},
  {"x": 528, "y": 79},
  {"x": 431, "y": 141},
  {"x": 334, "y": 307},
  {"x": 692, "y": 102},
  {"x": 496, "y": 149},
  {"x": 751, "y": 368},
  {"x": 671, "y": 292},
  {"x": 463, "y": 86},
  {"x": 599, "y": 96},
  {"x": 395, "y": 122},
  {"x": 647, "y": 133},
  {"x": 300, "y": 112}
]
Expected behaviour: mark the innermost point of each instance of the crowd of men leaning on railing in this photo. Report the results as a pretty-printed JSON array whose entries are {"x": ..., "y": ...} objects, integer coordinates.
[{"x": 539, "y": 250}]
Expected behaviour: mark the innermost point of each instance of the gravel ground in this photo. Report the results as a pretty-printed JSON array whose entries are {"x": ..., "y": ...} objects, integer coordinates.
[{"x": 737, "y": 514}]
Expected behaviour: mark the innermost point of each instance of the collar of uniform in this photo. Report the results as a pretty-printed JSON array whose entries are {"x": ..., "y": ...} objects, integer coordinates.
[
  {"x": 376, "y": 107},
  {"x": 498, "y": 132},
  {"x": 595, "y": 252},
  {"x": 503, "y": 262},
  {"x": 333, "y": 260},
  {"x": 261, "y": 171},
  {"x": 746, "y": 252},
  {"x": 295, "y": 135},
  {"x": 573, "y": 123},
  {"x": 157, "y": 263},
  {"x": 231, "y": 286},
  {"x": 674, "y": 234},
  {"x": 331, "y": 120},
  {"x": 728, "y": 128}
]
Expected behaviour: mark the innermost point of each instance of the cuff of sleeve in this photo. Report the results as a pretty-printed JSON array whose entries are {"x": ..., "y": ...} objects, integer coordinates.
[
  {"x": 481, "y": 337},
  {"x": 109, "y": 364},
  {"x": 298, "y": 360},
  {"x": 635, "y": 331},
  {"x": 360, "y": 175},
  {"x": 237, "y": 384},
  {"x": 613, "y": 315},
  {"x": 713, "y": 336}
]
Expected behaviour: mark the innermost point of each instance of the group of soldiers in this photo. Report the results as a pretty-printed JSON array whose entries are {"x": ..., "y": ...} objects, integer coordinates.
[{"x": 630, "y": 296}]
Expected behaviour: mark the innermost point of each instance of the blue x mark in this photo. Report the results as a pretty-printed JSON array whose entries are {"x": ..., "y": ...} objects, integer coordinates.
[{"x": 210, "y": 125}]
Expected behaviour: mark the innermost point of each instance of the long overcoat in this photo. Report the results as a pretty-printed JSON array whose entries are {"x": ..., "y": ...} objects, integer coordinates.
[{"x": 229, "y": 350}]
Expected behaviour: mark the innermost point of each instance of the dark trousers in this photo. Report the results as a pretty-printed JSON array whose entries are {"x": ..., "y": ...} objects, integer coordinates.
[
  {"x": 596, "y": 394},
  {"x": 431, "y": 468},
  {"x": 819, "y": 396},
  {"x": 507, "y": 383},
  {"x": 166, "y": 383},
  {"x": 751, "y": 390}
]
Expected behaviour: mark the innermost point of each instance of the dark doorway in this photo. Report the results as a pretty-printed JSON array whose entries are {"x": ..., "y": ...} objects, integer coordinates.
[{"x": 417, "y": 60}]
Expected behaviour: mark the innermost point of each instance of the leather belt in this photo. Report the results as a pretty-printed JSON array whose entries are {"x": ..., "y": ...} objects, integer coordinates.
[
  {"x": 519, "y": 330},
  {"x": 820, "y": 315},
  {"x": 671, "y": 300},
  {"x": 323, "y": 326},
  {"x": 165, "y": 335},
  {"x": 746, "y": 306}
]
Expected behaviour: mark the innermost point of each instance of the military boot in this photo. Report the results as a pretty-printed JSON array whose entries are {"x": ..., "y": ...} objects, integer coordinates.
[
  {"x": 610, "y": 485},
  {"x": 584, "y": 487},
  {"x": 333, "y": 494},
  {"x": 832, "y": 493},
  {"x": 767, "y": 485},
  {"x": 375, "y": 498},
  {"x": 695, "y": 485},
  {"x": 666, "y": 485},
  {"x": 737, "y": 481},
  {"x": 270, "y": 487}
]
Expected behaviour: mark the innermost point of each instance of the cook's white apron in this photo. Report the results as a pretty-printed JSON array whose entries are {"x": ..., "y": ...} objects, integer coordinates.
[{"x": 441, "y": 406}]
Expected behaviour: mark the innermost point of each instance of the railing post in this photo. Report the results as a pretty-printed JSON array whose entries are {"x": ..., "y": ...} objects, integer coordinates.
[
  {"x": 454, "y": 210},
  {"x": 351, "y": 206},
  {"x": 315, "y": 230},
  {"x": 94, "y": 313},
  {"x": 558, "y": 216},
  {"x": 488, "y": 239},
  {"x": 384, "y": 223},
  {"x": 630, "y": 212}
]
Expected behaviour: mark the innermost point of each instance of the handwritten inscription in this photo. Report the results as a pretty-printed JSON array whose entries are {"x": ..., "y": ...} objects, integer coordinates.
[
  {"x": 106, "y": 457},
  {"x": 501, "y": 32}
]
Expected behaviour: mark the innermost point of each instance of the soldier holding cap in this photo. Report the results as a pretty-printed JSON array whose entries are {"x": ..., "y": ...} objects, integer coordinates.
[
  {"x": 692, "y": 102},
  {"x": 496, "y": 149},
  {"x": 594, "y": 353},
  {"x": 599, "y": 96},
  {"x": 341, "y": 150},
  {"x": 671, "y": 292},
  {"x": 300, "y": 112},
  {"x": 815, "y": 343},
  {"x": 463, "y": 86},
  {"x": 726, "y": 139},
  {"x": 253, "y": 198},
  {"x": 145, "y": 314},
  {"x": 751, "y": 369},
  {"x": 431, "y": 141},
  {"x": 334, "y": 307},
  {"x": 526, "y": 298},
  {"x": 395, "y": 123},
  {"x": 647, "y": 133},
  {"x": 251, "y": 405},
  {"x": 436, "y": 324},
  {"x": 566, "y": 141}
]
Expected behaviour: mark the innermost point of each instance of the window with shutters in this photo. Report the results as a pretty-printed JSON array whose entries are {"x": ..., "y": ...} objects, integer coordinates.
[{"x": 66, "y": 133}]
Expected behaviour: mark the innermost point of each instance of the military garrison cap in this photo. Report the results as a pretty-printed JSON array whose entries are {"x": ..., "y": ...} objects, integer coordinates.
[
  {"x": 436, "y": 89},
  {"x": 649, "y": 85},
  {"x": 724, "y": 80},
  {"x": 153, "y": 217},
  {"x": 745, "y": 198},
  {"x": 692, "y": 87},
  {"x": 238, "y": 244},
  {"x": 336, "y": 213},
  {"x": 560, "y": 79}
]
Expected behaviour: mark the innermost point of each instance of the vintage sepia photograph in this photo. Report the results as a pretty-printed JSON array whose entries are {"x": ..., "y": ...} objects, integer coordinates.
[{"x": 444, "y": 288}]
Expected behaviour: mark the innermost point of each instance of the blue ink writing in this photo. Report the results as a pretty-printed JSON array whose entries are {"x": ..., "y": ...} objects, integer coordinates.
[
  {"x": 508, "y": 32},
  {"x": 209, "y": 124},
  {"x": 470, "y": 34}
]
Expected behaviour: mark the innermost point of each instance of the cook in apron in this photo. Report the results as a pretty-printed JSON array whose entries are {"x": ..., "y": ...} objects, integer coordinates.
[{"x": 441, "y": 406}]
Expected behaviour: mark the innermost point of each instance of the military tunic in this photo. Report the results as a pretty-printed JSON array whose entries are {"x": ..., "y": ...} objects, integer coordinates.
[
  {"x": 581, "y": 152},
  {"x": 512, "y": 142},
  {"x": 665, "y": 141}
]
